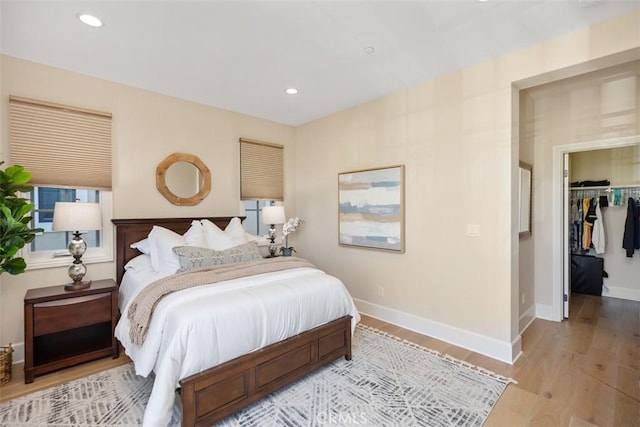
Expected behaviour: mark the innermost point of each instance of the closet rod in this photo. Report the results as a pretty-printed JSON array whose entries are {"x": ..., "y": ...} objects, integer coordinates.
[{"x": 589, "y": 192}]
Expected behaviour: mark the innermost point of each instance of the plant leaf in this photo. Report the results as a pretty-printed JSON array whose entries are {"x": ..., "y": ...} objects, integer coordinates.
[{"x": 14, "y": 266}]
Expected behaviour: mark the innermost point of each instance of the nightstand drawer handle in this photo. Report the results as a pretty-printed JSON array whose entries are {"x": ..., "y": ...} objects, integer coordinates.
[{"x": 70, "y": 301}]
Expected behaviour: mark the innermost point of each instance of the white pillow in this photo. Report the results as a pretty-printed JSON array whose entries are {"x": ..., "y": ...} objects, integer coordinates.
[
  {"x": 139, "y": 263},
  {"x": 142, "y": 246},
  {"x": 162, "y": 241},
  {"x": 195, "y": 235},
  {"x": 233, "y": 235}
]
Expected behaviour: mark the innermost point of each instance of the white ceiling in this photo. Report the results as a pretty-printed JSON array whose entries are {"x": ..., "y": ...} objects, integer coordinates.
[{"x": 242, "y": 55}]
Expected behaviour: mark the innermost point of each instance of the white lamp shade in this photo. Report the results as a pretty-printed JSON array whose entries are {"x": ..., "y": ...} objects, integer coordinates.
[
  {"x": 76, "y": 216},
  {"x": 273, "y": 215}
]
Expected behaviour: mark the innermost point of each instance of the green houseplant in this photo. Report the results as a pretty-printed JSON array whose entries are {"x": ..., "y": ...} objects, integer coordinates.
[{"x": 15, "y": 230}]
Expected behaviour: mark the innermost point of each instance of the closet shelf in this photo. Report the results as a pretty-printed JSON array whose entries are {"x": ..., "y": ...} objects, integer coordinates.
[{"x": 605, "y": 187}]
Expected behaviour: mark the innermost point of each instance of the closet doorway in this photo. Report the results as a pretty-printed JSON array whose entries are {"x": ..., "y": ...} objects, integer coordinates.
[{"x": 618, "y": 160}]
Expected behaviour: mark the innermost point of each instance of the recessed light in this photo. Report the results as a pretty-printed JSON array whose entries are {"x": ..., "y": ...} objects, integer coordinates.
[
  {"x": 369, "y": 50},
  {"x": 90, "y": 20},
  {"x": 292, "y": 91}
]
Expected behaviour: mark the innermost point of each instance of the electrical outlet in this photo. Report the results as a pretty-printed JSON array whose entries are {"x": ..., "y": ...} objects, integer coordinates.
[{"x": 380, "y": 291}]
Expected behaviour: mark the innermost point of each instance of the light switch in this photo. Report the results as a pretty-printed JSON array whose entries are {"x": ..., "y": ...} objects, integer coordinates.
[{"x": 473, "y": 230}]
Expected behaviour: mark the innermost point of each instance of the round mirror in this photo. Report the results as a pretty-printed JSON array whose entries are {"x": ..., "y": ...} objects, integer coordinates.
[{"x": 183, "y": 179}]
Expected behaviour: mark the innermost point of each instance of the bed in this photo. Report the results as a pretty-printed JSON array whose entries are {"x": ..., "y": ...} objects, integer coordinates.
[{"x": 211, "y": 391}]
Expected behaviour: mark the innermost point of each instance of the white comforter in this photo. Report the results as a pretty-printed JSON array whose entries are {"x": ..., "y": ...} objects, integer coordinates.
[{"x": 201, "y": 327}]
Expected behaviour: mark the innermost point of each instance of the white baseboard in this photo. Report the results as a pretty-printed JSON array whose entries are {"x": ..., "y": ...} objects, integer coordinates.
[
  {"x": 18, "y": 353},
  {"x": 491, "y": 347},
  {"x": 527, "y": 318},
  {"x": 622, "y": 293}
]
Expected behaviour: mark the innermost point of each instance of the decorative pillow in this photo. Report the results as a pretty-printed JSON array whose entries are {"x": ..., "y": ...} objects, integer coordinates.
[
  {"x": 139, "y": 263},
  {"x": 262, "y": 240},
  {"x": 233, "y": 235},
  {"x": 193, "y": 258},
  {"x": 142, "y": 246}
]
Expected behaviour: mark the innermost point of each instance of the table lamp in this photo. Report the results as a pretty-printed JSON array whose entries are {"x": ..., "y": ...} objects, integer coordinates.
[
  {"x": 273, "y": 215},
  {"x": 76, "y": 216}
]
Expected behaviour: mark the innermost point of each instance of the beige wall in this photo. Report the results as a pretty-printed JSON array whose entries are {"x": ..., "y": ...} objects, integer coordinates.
[
  {"x": 146, "y": 128},
  {"x": 455, "y": 136},
  {"x": 621, "y": 166}
]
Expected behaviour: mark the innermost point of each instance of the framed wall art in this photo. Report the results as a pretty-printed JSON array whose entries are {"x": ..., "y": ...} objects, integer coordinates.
[{"x": 371, "y": 208}]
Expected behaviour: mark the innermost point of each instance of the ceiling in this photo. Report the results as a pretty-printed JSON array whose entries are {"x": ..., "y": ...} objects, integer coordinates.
[{"x": 242, "y": 55}]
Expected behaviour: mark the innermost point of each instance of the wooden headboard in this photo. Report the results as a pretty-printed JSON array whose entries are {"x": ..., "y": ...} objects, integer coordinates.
[{"x": 129, "y": 231}]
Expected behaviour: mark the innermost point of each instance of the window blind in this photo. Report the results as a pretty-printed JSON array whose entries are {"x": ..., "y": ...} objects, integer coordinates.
[
  {"x": 261, "y": 170},
  {"x": 61, "y": 146}
]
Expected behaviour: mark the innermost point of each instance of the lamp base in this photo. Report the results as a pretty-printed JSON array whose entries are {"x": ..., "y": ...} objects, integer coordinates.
[
  {"x": 77, "y": 286},
  {"x": 272, "y": 241}
]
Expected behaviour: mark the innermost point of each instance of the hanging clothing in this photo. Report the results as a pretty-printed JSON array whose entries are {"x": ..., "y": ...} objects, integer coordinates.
[
  {"x": 631, "y": 237},
  {"x": 586, "y": 226},
  {"x": 617, "y": 197},
  {"x": 576, "y": 226},
  {"x": 603, "y": 201},
  {"x": 597, "y": 234},
  {"x": 587, "y": 223}
]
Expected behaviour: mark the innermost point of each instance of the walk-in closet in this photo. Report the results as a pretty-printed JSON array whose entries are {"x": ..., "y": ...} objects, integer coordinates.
[{"x": 604, "y": 222}]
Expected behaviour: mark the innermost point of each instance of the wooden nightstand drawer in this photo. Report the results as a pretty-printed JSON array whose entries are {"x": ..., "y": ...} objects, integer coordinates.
[{"x": 56, "y": 316}]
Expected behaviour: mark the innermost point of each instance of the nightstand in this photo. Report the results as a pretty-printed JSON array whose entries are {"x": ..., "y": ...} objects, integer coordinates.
[{"x": 64, "y": 328}]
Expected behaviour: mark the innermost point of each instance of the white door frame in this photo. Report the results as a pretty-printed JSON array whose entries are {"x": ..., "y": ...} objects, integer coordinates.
[
  {"x": 558, "y": 200},
  {"x": 566, "y": 258}
]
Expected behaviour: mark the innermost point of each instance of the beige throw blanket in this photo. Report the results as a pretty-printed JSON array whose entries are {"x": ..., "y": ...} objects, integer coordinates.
[{"x": 142, "y": 307}]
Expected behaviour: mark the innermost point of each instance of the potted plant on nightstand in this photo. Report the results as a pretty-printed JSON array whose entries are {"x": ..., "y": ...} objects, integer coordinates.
[
  {"x": 287, "y": 228},
  {"x": 15, "y": 232}
]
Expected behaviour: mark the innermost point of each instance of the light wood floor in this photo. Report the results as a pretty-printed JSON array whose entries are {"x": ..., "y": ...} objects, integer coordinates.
[{"x": 580, "y": 372}]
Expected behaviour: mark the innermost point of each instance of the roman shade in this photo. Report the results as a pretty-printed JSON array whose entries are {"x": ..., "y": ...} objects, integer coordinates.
[
  {"x": 61, "y": 146},
  {"x": 261, "y": 170}
]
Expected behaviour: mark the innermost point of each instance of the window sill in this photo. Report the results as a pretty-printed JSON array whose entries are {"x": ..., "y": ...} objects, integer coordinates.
[{"x": 37, "y": 263}]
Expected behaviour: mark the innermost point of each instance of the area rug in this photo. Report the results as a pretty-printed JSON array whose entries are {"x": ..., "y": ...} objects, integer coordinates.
[{"x": 389, "y": 382}]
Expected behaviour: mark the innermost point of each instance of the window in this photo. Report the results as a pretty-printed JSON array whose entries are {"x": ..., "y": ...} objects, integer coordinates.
[
  {"x": 253, "y": 211},
  {"x": 49, "y": 249},
  {"x": 45, "y": 199}
]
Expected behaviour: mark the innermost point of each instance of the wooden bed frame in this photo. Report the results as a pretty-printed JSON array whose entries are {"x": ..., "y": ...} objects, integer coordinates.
[{"x": 217, "y": 392}]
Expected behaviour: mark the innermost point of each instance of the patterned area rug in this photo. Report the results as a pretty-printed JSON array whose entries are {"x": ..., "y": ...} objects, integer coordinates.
[{"x": 389, "y": 382}]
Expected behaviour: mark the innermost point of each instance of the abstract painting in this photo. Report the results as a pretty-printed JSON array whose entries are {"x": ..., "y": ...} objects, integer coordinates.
[{"x": 371, "y": 212}]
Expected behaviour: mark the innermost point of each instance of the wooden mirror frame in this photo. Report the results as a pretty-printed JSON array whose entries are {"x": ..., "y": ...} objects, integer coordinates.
[
  {"x": 163, "y": 188},
  {"x": 525, "y": 201}
]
